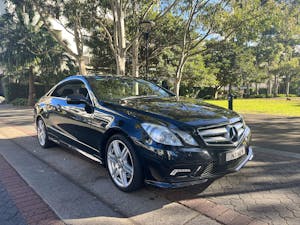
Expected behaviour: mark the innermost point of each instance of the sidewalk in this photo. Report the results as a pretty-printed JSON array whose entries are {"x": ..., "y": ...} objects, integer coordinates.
[{"x": 19, "y": 203}]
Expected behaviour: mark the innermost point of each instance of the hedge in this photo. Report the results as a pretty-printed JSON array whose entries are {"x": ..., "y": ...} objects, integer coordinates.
[{"x": 13, "y": 90}]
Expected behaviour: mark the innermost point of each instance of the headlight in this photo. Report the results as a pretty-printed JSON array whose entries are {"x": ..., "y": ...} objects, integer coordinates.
[
  {"x": 186, "y": 137},
  {"x": 161, "y": 134}
]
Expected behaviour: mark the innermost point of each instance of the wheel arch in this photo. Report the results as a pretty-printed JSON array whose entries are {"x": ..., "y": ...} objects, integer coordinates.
[
  {"x": 112, "y": 131},
  {"x": 39, "y": 116}
]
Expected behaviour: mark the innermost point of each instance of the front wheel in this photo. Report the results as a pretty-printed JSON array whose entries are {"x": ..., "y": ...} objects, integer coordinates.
[
  {"x": 123, "y": 164},
  {"x": 42, "y": 134}
]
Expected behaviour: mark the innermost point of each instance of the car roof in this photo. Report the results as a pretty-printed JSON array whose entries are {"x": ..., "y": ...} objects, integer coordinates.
[
  {"x": 87, "y": 77},
  {"x": 100, "y": 76}
]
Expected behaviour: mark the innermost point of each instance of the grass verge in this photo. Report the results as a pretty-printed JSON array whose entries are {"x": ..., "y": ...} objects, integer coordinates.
[{"x": 271, "y": 106}]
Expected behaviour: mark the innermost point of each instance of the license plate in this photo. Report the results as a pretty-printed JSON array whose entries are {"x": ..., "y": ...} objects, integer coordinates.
[{"x": 235, "y": 154}]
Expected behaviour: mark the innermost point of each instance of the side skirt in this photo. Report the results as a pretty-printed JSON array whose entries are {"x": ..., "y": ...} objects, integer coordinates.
[{"x": 64, "y": 144}]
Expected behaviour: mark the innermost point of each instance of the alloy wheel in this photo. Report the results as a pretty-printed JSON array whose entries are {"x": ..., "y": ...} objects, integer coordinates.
[
  {"x": 41, "y": 132},
  {"x": 120, "y": 163}
]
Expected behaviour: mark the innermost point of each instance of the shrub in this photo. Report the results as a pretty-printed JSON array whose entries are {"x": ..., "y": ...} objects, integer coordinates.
[
  {"x": 14, "y": 90},
  {"x": 258, "y": 96},
  {"x": 284, "y": 95},
  {"x": 19, "y": 102},
  {"x": 20, "y": 90}
]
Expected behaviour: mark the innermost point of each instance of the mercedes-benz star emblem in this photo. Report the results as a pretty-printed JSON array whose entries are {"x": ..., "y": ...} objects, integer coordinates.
[{"x": 231, "y": 134}]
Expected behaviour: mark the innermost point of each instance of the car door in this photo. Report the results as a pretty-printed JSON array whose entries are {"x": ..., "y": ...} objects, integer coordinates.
[{"x": 71, "y": 122}]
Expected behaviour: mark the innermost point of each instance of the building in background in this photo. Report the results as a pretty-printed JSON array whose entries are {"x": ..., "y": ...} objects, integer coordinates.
[{"x": 2, "y": 7}]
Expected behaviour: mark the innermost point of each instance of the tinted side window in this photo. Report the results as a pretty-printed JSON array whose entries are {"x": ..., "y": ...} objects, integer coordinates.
[{"x": 71, "y": 88}]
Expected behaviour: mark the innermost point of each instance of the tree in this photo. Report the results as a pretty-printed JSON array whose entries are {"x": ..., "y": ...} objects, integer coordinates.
[
  {"x": 27, "y": 46},
  {"x": 288, "y": 70},
  {"x": 69, "y": 15},
  {"x": 119, "y": 22},
  {"x": 196, "y": 76},
  {"x": 221, "y": 57},
  {"x": 103, "y": 60},
  {"x": 287, "y": 36},
  {"x": 276, "y": 43},
  {"x": 221, "y": 20}
]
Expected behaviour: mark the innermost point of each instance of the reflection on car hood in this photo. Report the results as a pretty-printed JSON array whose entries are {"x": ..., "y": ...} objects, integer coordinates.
[{"x": 188, "y": 111}]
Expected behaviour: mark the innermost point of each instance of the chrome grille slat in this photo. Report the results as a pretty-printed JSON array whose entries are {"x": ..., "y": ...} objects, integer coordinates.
[
  {"x": 224, "y": 134},
  {"x": 215, "y": 132},
  {"x": 240, "y": 132},
  {"x": 238, "y": 125},
  {"x": 216, "y": 139}
]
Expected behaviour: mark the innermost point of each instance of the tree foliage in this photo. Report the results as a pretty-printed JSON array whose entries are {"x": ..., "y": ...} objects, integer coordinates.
[
  {"x": 28, "y": 50},
  {"x": 232, "y": 45}
]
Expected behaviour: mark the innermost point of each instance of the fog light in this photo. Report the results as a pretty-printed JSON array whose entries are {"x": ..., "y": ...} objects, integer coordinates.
[{"x": 175, "y": 171}]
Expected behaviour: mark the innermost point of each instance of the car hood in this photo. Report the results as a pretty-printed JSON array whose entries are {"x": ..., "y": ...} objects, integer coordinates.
[{"x": 185, "y": 111}]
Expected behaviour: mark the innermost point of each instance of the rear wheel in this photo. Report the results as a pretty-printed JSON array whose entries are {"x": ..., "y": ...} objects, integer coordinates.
[
  {"x": 123, "y": 164},
  {"x": 42, "y": 134}
]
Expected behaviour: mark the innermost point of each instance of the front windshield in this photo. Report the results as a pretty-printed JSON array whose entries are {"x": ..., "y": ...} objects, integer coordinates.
[{"x": 120, "y": 88}]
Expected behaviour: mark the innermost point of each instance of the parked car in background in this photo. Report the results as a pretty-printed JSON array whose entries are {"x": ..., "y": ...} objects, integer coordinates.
[{"x": 142, "y": 132}]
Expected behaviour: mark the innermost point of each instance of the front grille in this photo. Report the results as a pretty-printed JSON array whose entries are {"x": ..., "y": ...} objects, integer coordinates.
[
  {"x": 224, "y": 134},
  {"x": 209, "y": 170},
  {"x": 215, "y": 169}
]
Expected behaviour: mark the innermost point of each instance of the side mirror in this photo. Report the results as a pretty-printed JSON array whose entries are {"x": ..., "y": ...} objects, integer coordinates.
[{"x": 76, "y": 100}]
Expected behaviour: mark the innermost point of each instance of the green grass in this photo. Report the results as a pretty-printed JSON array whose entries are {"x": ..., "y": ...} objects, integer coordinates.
[{"x": 271, "y": 106}]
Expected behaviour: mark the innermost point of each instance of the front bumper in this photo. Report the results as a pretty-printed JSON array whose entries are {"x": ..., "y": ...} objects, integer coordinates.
[
  {"x": 192, "y": 166},
  {"x": 203, "y": 179}
]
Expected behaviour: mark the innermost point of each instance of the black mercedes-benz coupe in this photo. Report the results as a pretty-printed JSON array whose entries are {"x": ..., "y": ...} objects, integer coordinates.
[{"x": 142, "y": 132}]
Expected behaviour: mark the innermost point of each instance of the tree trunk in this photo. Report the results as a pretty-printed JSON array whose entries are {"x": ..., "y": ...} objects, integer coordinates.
[
  {"x": 248, "y": 90},
  {"x": 31, "y": 88},
  {"x": 269, "y": 93},
  {"x": 121, "y": 63},
  {"x": 269, "y": 90},
  {"x": 82, "y": 66},
  {"x": 276, "y": 86},
  {"x": 256, "y": 88},
  {"x": 177, "y": 87},
  {"x": 135, "y": 58},
  {"x": 119, "y": 35},
  {"x": 216, "y": 92},
  {"x": 230, "y": 88},
  {"x": 179, "y": 74},
  {"x": 287, "y": 86}
]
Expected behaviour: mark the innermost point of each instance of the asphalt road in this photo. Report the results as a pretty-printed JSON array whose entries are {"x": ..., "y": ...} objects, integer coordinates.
[{"x": 267, "y": 190}]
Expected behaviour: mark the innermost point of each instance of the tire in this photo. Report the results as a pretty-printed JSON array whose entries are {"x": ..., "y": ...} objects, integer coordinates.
[
  {"x": 42, "y": 134},
  {"x": 123, "y": 165}
]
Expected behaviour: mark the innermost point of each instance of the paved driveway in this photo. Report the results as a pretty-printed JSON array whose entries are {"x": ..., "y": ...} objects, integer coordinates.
[
  {"x": 267, "y": 190},
  {"x": 275, "y": 132}
]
